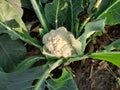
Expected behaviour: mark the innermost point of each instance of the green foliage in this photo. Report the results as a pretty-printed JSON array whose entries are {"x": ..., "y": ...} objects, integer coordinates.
[
  {"x": 44, "y": 1},
  {"x": 56, "y": 12},
  {"x": 11, "y": 20},
  {"x": 40, "y": 85},
  {"x": 91, "y": 28},
  {"x": 51, "y": 14},
  {"x": 40, "y": 14},
  {"x": 103, "y": 6},
  {"x": 91, "y": 5},
  {"x": 74, "y": 8},
  {"x": 111, "y": 13},
  {"x": 12, "y": 52},
  {"x": 3, "y": 81},
  {"x": 11, "y": 17},
  {"x": 26, "y": 4},
  {"x": 113, "y": 57},
  {"x": 85, "y": 3},
  {"x": 108, "y": 9},
  {"x": 65, "y": 82},
  {"x": 20, "y": 80},
  {"x": 27, "y": 63}
]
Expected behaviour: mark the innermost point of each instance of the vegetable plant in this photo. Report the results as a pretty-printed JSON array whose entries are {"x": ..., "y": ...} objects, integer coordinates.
[{"x": 64, "y": 40}]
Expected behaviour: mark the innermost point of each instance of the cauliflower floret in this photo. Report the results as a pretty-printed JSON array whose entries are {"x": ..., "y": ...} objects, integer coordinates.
[{"x": 58, "y": 42}]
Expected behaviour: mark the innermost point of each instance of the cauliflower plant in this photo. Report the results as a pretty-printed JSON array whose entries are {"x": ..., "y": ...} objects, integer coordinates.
[{"x": 59, "y": 43}]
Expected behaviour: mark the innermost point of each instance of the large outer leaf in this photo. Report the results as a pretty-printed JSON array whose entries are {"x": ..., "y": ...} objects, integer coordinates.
[
  {"x": 113, "y": 57},
  {"x": 3, "y": 81},
  {"x": 22, "y": 80},
  {"x": 10, "y": 16},
  {"x": 74, "y": 8},
  {"x": 112, "y": 13},
  {"x": 65, "y": 82},
  {"x": 56, "y": 12},
  {"x": 40, "y": 84},
  {"x": 91, "y": 28},
  {"x": 11, "y": 52},
  {"x": 27, "y": 63},
  {"x": 11, "y": 20},
  {"x": 26, "y": 4}
]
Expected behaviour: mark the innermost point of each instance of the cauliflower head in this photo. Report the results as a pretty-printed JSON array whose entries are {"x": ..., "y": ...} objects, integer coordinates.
[{"x": 59, "y": 42}]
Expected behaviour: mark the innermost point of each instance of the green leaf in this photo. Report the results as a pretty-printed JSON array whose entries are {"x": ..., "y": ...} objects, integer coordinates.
[
  {"x": 32, "y": 79},
  {"x": 98, "y": 6},
  {"x": 112, "y": 13},
  {"x": 11, "y": 52},
  {"x": 113, "y": 45},
  {"x": 65, "y": 82},
  {"x": 91, "y": 28},
  {"x": 1, "y": 69},
  {"x": 103, "y": 6},
  {"x": 10, "y": 16},
  {"x": 85, "y": 2},
  {"x": 113, "y": 57},
  {"x": 76, "y": 44},
  {"x": 3, "y": 81},
  {"x": 91, "y": 5},
  {"x": 11, "y": 23},
  {"x": 2, "y": 30},
  {"x": 44, "y": 1},
  {"x": 56, "y": 12},
  {"x": 74, "y": 8},
  {"x": 76, "y": 58},
  {"x": 40, "y": 14},
  {"x": 27, "y": 63},
  {"x": 26, "y": 4},
  {"x": 52, "y": 65},
  {"x": 23, "y": 80},
  {"x": 40, "y": 85}
]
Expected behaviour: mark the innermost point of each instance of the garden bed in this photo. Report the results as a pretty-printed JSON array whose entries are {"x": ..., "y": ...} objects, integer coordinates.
[{"x": 59, "y": 45}]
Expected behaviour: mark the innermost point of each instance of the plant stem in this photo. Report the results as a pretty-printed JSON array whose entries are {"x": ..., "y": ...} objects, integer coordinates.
[
  {"x": 96, "y": 6},
  {"x": 83, "y": 24},
  {"x": 40, "y": 81},
  {"x": 71, "y": 15},
  {"x": 40, "y": 15},
  {"x": 98, "y": 3},
  {"x": 46, "y": 74},
  {"x": 23, "y": 36},
  {"x": 56, "y": 14},
  {"x": 75, "y": 59}
]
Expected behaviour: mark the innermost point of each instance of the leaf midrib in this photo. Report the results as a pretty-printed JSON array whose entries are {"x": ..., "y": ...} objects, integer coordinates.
[
  {"x": 57, "y": 11},
  {"x": 71, "y": 14},
  {"x": 108, "y": 8}
]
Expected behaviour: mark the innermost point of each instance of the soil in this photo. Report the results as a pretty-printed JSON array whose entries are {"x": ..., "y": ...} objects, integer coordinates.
[
  {"x": 90, "y": 74},
  {"x": 95, "y": 75}
]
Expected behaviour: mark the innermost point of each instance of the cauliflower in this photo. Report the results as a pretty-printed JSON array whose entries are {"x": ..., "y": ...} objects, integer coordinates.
[{"x": 59, "y": 42}]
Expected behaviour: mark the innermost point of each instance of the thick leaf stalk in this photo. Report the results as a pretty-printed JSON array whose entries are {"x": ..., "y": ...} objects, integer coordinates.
[{"x": 40, "y": 14}]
